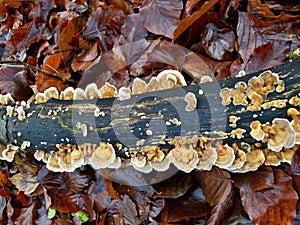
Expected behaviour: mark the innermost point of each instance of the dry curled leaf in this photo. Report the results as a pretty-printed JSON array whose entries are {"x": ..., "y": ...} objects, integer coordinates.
[
  {"x": 191, "y": 205},
  {"x": 275, "y": 204},
  {"x": 187, "y": 22},
  {"x": 25, "y": 183},
  {"x": 161, "y": 16}
]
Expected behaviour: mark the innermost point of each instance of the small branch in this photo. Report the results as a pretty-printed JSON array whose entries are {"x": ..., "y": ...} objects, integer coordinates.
[{"x": 17, "y": 64}]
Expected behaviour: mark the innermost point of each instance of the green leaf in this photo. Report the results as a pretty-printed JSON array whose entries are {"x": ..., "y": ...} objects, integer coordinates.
[
  {"x": 51, "y": 213},
  {"x": 82, "y": 215}
]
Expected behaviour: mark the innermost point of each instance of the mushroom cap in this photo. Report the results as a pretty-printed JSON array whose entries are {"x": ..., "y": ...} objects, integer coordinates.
[
  {"x": 138, "y": 86},
  {"x": 206, "y": 79},
  {"x": 124, "y": 93},
  {"x": 39, "y": 155},
  {"x": 225, "y": 156},
  {"x": 68, "y": 93},
  {"x": 282, "y": 135},
  {"x": 9, "y": 152},
  {"x": 240, "y": 158},
  {"x": 138, "y": 160},
  {"x": 295, "y": 123},
  {"x": 185, "y": 158},
  {"x": 64, "y": 162},
  {"x": 191, "y": 101},
  {"x": 116, "y": 164},
  {"x": 103, "y": 156},
  {"x": 153, "y": 85},
  {"x": 272, "y": 158},
  {"x": 162, "y": 165},
  {"x": 77, "y": 158},
  {"x": 207, "y": 158},
  {"x": 287, "y": 154},
  {"x": 153, "y": 154},
  {"x": 52, "y": 163},
  {"x": 107, "y": 91},
  {"x": 256, "y": 132},
  {"x": 255, "y": 158},
  {"x": 167, "y": 77},
  {"x": 91, "y": 91},
  {"x": 79, "y": 94},
  {"x": 51, "y": 92},
  {"x": 40, "y": 98},
  {"x": 226, "y": 96}
]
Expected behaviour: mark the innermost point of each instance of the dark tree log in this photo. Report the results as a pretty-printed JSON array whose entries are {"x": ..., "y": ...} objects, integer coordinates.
[{"x": 127, "y": 122}]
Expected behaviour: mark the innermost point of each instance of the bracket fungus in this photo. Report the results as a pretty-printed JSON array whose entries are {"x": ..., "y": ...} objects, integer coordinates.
[
  {"x": 278, "y": 135},
  {"x": 103, "y": 156},
  {"x": 225, "y": 156},
  {"x": 91, "y": 91},
  {"x": 170, "y": 79},
  {"x": 191, "y": 101},
  {"x": 183, "y": 155},
  {"x": 295, "y": 123}
]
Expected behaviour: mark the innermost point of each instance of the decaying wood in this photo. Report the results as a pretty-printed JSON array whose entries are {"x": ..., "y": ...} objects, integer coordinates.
[{"x": 126, "y": 122}]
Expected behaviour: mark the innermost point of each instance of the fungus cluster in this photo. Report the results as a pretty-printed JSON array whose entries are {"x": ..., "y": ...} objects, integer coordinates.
[
  {"x": 254, "y": 93},
  {"x": 164, "y": 80}
]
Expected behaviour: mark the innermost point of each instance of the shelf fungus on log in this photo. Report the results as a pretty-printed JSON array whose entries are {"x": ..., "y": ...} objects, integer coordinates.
[{"x": 237, "y": 124}]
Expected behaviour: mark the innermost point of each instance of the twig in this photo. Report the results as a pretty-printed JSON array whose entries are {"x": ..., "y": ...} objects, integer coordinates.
[{"x": 18, "y": 63}]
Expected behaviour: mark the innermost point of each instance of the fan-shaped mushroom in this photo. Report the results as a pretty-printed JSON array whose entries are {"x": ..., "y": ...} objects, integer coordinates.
[{"x": 103, "y": 156}]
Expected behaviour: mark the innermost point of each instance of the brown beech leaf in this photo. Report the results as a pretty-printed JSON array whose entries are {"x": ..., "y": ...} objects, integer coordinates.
[
  {"x": 248, "y": 40},
  {"x": 219, "y": 212},
  {"x": 268, "y": 55},
  {"x": 133, "y": 28},
  {"x": 187, "y": 22},
  {"x": 216, "y": 185},
  {"x": 191, "y": 205},
  {"x": 295, "y": 163},
  {"x": 4, "y": 181},
  {"x": 21, "y": 89},
  {"x": 258, "y": 180},
  {"x": 51, "y": 64},
  {"x": 274, "y": 205},
  {"x": 2, "y": 206},
  {"x": 175, "y": 186},
  {"x": 28, "y": 34},
  {"x": 121, "y": 4},
  {"x": 126, "y": 207},
  {"x": 218, "y": 43},
  {"x": 161, "y": 16},
  {"x": 262, "y": 17},
  {"x": 25, "y": 183},
  {"x": 86, "y": 60},
  {"x": 42, "y": 217},
  {"x": 27, "y": 215},
  {"x": 6, "y": 78}
]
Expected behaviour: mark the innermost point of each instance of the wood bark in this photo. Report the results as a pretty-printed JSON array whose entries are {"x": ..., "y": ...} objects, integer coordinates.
[{"x": 146, "y": 119}]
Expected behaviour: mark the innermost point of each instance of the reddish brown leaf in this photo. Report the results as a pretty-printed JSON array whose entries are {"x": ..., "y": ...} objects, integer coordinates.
[
  {"x": 191, "y": 205},
  {"x": 21, "y": 89},
  {"x": 268, "y": 55},
  {"x": 42, "y": 217},
  {"x": 6, "y": 4},
  {"x": 25, "y": 183},
  {"x": 4, "y": 181},
  {"x": 295, "y": 163},
  {"x": 219, "y": 212},
  {"x": 257, "y": 181},
  {"x": 28, "y": 34},
  {"x": 86, "y": 60},
  {"x": 218, "y": 43},
  {"x": 175, "y": 186},
  {"x": 187, "y": 22},
  {"x": 27, "y": 215},
  {"x": 161, "y": 16},
  {"x": 6, "y": 78},
  {"x": 68, "y": 34},
  {"x": 275, "y": 205},
  {"x": 216, "y": 185},
  {"x": 133, "y": 28},
  {"x": 122, "y": 5},
  {"x": 127, "y": 207},
  {"x": 248, "y": 40}
]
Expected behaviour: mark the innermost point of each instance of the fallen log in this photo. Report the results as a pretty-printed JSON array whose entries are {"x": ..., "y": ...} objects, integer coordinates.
[{"x": 236, "y": 114}]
